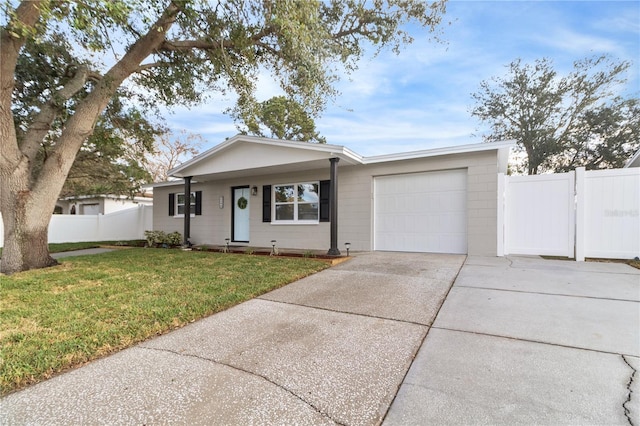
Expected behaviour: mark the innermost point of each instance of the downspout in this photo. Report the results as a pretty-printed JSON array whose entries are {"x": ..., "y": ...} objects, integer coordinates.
[
  {"x": 187, "y": 212},
  {"x": 333, "y": 207}
]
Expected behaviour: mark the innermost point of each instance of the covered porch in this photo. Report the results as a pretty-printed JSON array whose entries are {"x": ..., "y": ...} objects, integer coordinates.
[{"x": 244, "y": 159}]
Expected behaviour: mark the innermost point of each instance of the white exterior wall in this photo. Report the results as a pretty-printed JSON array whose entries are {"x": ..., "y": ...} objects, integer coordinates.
[{"x": 355, "y": 205}]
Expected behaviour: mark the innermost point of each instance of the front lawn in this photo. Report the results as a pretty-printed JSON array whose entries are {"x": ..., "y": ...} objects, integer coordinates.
[
  {"x": 56, "y": 318},
  {"x": 60, "y": 247}
]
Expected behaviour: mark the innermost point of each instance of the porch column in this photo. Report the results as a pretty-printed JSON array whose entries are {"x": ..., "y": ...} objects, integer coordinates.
[
  {"x": 187, "y": 211},
  {"x": 333, "y": 207}
]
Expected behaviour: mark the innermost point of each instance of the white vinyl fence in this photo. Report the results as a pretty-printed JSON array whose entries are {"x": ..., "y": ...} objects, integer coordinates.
[
  {"x": 577, "y": 214},
  {"x": 128, "y": 224}
]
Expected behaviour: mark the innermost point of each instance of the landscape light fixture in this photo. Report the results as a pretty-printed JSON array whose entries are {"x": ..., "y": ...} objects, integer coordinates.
[
  {"x": 347, "y": 246},
  {"x": 274, "y": 251},
  {"x": 226, "y": 244}
]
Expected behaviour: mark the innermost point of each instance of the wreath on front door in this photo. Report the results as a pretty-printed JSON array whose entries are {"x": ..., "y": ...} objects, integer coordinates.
[{"x": 242, "y": 203}]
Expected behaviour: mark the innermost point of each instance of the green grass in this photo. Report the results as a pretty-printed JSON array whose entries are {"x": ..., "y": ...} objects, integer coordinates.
[{"x": 89, "y": 306}]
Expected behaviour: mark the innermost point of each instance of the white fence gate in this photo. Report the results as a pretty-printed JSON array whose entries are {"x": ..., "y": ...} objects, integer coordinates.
[
  {"x": 128, "y": 224},
  {"x": 577, "y": 214}
]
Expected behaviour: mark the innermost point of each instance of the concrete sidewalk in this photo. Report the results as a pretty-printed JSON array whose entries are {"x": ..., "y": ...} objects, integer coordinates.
[
  {"x": 530, "y": 341},
  {"x": 82, "y": 252},
  {"x": 517, "y": 341}
]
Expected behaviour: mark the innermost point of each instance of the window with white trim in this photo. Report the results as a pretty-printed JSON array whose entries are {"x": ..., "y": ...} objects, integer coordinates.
[
  {"x": 180, "y": 199},
  {"x": 296, "y": 202}
]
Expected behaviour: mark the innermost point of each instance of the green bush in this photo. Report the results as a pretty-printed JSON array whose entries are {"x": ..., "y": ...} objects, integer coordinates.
[
  {"x": 173, "y": 239},
  {"x": 162, "y": 239}
]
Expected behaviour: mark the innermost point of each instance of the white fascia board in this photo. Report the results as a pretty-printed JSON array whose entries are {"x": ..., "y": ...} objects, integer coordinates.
[
  {"x": 338, "y": 150},
  {"x": 169, "y": 183},
  {"x": 634, "y": 161},
  {"x": 460, "y": 149}
]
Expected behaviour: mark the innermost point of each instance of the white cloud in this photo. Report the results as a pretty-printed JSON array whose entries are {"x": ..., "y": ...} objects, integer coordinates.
[{"x": 578, "y": 44}]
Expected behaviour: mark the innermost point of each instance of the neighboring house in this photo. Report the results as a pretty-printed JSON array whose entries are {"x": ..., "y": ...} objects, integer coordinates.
[
  {"x": 100, "y": 204},
  {"x": 318, "y": 196}
]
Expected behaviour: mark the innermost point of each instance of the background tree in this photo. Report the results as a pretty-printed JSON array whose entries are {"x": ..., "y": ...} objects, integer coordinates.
[
  {"x": 169, "y": 151},
  {"x": 278, "y": 117},
  {"x": 170, "y": 52},
  {"x": 562, "y": 122}
]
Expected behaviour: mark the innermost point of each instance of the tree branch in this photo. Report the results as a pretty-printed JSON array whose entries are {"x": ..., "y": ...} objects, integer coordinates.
[
  {"x": 12, "y": 38},
  {"x": 80, "y": 126},
  {"x": 41, "y": 125}
]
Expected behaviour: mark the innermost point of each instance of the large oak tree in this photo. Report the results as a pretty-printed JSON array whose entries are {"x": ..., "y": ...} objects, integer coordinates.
[
  {"x": 563, "y": 121},
  {"x": 170, "y": 52}
]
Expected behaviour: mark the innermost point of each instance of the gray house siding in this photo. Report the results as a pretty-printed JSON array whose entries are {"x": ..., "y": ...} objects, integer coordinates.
[
  {"x": 356, "y": 197},
  {"x": 214, "y": 225},
  {"x": 355, "y": 205}
]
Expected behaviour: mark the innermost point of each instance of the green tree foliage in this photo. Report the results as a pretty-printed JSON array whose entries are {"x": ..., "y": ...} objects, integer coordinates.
[
  {"x": 562, "y": 122},
  {"x": 162, "y": 52},
  {"x": 109, "y": 162},
  {"x": 281, "y": 118}
]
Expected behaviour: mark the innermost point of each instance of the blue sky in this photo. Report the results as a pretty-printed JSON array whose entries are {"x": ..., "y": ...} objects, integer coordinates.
[{"x": 421, "y": 98}]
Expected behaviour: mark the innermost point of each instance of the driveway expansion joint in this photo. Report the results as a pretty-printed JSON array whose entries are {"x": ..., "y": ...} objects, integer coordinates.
[
  {"x": 289, "y": 391},
  {"x": 542, "y": 293},
  {"x": 424, "y": 338},
  {"x": 346, "y": 312},
  {"x": 519, "y": 339},
  {"x": 627, "y": 411}
]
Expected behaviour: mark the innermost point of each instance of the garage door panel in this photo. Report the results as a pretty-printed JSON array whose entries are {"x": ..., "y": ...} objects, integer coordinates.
[{"x": 424, "y": 212}]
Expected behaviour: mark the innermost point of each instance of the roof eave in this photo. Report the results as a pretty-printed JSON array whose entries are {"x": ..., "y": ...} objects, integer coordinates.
[
  {"x": 634, "y": 161},
  {"x": 459, "y": 149},
  {"x": 336, "y": 150}
]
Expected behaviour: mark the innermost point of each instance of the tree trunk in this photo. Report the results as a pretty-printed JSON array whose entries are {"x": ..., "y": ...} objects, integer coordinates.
[
  {"x": 26, "y": 226},
  {"x": 27, "y": 204},
  {"x": 532, "y": 161}
]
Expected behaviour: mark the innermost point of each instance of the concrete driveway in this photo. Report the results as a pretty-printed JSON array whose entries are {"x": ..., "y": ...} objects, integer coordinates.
[
  {"x": 518, "y": 340},
  {"x": 529, "y": 341}
]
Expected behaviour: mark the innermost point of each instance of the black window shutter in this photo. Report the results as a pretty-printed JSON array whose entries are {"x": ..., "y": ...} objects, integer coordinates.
[
  {"x": 266, "y": 203},
  {"x": 324, "y": 200},
  {"x": 172, "y": 204},
  {"x": 198, "y": 203}
]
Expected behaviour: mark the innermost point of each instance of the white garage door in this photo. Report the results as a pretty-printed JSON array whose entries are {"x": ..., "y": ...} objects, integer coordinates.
[{"x": 421, "y": 212}]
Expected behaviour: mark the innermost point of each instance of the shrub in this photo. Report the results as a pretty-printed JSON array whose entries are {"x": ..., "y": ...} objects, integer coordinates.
[
  {"x": 154, "y": 238},
  {"x": 162, "y": 239},
  {"x": 173, "y": 239}
]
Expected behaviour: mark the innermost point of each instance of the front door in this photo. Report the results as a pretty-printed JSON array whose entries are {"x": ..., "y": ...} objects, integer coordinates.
[{"x": 240, "y": 220}]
